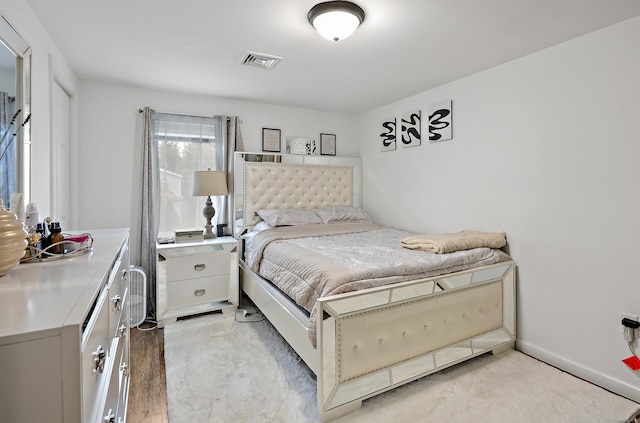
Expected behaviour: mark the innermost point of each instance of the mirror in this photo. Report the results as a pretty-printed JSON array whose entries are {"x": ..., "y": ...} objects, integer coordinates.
[{"x": 15, "y": 113}]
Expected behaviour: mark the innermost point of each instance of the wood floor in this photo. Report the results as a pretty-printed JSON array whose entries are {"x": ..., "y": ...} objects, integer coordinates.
[{"x": 148, "y": 385}]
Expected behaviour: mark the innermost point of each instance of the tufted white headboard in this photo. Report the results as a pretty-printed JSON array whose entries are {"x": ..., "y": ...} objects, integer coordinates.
[{"x": 297, "y": 182}]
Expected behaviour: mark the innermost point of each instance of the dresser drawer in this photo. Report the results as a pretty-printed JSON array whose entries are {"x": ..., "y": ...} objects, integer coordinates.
[
  {"x": 119, "y": 274},
  {"x": 109, "y": 400},
  {"x": 197, "y": 291},
  {"x": 197, "y": 265},
  {"x": 123, "y": 380},
  {"x": 95, "y": 359},
  {"x": 118, "y": 312}
]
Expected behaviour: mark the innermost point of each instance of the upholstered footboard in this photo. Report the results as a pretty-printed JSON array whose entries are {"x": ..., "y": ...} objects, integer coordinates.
[{"x": 374, "y": 340}]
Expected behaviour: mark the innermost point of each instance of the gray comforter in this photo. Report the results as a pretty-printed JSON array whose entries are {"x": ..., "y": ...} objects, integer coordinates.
[{"x": 312, "y": 261}]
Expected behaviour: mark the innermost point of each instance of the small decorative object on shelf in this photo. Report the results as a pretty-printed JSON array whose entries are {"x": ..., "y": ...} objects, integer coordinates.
[{"x": 13, "y": 240}]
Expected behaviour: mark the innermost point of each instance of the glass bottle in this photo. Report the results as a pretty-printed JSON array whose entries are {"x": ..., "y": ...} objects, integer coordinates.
[
  {"x": 43, "y": 240},
  {"x": 56, "y": 237}
]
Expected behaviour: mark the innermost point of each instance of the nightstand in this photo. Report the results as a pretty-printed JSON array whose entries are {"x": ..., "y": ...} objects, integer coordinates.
[{"x": 196, "y": 277}]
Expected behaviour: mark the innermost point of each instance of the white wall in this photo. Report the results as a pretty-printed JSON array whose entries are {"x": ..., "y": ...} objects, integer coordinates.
[
  {"x": 47, "y": 64},
  {"x": 547, "y": 149},
  {"x": 110, "y": 138}
]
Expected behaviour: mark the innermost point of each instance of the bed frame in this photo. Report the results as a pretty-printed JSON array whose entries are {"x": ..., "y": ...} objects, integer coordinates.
[{"x": 374, "y": 340}]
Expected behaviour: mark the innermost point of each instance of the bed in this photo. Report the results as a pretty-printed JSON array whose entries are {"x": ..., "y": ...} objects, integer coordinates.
[{"x": 363, "y": 342}]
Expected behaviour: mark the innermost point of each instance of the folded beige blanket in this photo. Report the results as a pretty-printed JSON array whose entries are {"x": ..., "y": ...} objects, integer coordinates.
[{"x": 448, "y": 243}]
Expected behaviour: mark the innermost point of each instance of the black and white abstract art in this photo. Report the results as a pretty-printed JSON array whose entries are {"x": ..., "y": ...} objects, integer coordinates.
[
  {"x": 440, "y": 122},
  {"x": 388, "y": 134},
  {"x": 410, "y": 129}
]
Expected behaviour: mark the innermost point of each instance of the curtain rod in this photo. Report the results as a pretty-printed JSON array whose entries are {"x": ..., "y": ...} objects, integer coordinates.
[{"x": 185, "y": 114}]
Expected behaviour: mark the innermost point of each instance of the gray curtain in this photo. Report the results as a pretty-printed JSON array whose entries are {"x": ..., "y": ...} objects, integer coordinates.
[
  {"x": 145, "y": 231},
  {"x": 232, "y": 137}
]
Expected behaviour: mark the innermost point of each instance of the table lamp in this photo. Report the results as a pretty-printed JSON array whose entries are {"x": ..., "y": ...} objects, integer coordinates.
[{"x": 208, "y": 183}]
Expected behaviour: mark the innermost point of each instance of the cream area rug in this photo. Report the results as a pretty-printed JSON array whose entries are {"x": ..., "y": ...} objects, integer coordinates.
[{"x": 220, "y": 370}]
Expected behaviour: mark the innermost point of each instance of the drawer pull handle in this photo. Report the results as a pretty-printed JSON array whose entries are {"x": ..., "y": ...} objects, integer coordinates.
[
  {"x": 199, "y": 267},
  {"x": 198, "y": 292},
  {"x": 117, "y": 302},
  {"x": 110, "y": 417},
  {"x": 99, "y": 356}
]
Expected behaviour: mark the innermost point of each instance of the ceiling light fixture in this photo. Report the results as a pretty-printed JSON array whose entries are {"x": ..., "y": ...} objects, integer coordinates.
[{"x": 336, "y": 20}]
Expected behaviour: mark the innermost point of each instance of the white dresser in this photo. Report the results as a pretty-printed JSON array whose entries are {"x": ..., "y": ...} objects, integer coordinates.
[
  {"x": 64, "y": 336},
  {"x": 197, "y": 277}
]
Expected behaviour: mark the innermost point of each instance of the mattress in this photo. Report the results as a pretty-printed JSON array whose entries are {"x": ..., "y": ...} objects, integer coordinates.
[{"x": 307, "y": 262}]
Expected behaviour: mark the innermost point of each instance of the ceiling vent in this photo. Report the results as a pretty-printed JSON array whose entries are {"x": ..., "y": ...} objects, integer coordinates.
[{"x": 260, "y": 60}]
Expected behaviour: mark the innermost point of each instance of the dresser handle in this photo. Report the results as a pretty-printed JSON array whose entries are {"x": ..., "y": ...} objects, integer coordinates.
[
  {"x": 198, "y": 292},
  {"x": 110, "y": 417},
  {"x": 124, "y": 368},
  {"x": 99, "y": 356},
  {"x": 117, "y": 302},
  {"x": 199, "y": 267}
]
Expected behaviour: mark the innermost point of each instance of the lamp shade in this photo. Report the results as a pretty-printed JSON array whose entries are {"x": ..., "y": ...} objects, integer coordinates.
[
  {"x": 336, "y": 20},
  {"x": 208, "y": 182}
]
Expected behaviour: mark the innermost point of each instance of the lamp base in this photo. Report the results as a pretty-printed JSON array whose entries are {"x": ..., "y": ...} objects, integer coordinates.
[
  {"x": 208, "y": 212},
  {"x": 208, "y": 232}
]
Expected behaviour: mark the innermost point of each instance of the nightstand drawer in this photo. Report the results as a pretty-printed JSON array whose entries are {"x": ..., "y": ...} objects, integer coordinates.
[
  {"x": 197, "y": 265},
  {"x": 197, "y": 291}
]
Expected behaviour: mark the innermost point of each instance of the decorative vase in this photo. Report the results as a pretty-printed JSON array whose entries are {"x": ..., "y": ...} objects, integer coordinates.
[{"x": 13, "y": 240}]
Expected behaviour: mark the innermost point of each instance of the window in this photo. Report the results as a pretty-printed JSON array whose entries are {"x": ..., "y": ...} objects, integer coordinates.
[{"x": 185, "y": 144}]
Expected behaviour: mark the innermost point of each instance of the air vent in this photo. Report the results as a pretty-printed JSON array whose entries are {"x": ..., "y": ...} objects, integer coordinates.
[{"x": 260, "y": 60}]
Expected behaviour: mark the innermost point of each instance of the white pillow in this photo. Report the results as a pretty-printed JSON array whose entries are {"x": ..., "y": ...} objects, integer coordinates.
[
  {"x": 261, "y": 227},
  {"x": 289, "y": 217},
  {"x": 342, "y": 214}
]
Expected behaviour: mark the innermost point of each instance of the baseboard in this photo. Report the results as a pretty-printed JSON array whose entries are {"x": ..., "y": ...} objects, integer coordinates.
[{"x": 604, "y": 381}]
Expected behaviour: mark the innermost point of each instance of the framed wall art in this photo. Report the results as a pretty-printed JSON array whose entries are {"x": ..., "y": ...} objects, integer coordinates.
[
  {"x": 410, "y": 129},
  {"x": 440, "y": 122},
  {"x": 388, "y": 134},
  {"x": 271, "y": 140},
  {"x": 301, "y": 145},
  {"x": 327, "y": 144}
]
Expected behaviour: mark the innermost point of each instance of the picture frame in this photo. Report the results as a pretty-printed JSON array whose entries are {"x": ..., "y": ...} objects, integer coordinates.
[
  {"x": 305, "y": 146},
  {"x": 271, "y": 140},
  {"x": 388, "y": 134},
  {"x": 328, "y": 144},
  {"x": 410, "y": 129},
  {"x": 440, "y": 121}
]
